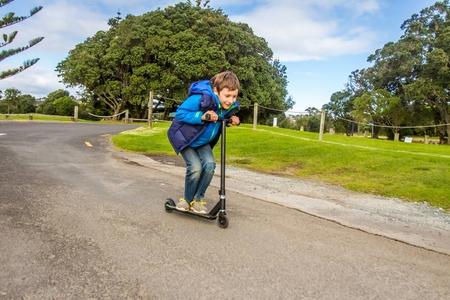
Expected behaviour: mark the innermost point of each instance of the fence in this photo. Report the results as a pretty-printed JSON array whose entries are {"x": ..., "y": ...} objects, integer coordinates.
[
  {"x": 31, "y": 116},
  {"x": 110, "y": 117},
  {"x": 396, "y": 135},
  {"x": 256, "y": 107}
]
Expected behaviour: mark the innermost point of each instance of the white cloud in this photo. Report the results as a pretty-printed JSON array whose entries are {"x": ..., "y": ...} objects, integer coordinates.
[
  {"x": 355, "y": 6},
  {"x": 37, "y": 81},
  {"x": 361, "y": 7},
  {"x": 63, "y": 24},
  {"x": 306, "y": 30}
]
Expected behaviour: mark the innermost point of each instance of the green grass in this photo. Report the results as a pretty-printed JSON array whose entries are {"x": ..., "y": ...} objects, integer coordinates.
[
  {"x": 413, "y": 172},
  {"x": 37, "y": 117}
]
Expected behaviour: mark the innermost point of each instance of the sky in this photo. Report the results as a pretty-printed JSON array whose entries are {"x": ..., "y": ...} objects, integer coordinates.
[{"x": 320, "y": 42}]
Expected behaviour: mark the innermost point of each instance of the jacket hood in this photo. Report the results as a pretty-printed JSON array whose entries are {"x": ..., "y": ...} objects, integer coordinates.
[{"x": 203, "y": 88}]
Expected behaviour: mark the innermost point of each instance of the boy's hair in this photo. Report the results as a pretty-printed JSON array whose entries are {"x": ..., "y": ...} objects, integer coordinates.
[{"x": 223, "y": 80}]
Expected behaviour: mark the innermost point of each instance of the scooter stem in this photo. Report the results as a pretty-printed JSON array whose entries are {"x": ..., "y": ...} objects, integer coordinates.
[
  {"x": 222, "y": 160},
  {"x": 222, "y": 164}
]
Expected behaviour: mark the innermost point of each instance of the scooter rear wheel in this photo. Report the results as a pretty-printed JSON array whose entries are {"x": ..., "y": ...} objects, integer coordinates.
[{"x": 167, "y": 206}]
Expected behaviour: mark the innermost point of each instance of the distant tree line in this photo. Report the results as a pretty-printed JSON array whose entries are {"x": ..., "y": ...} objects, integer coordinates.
[
  {"x": 59, "y": 102},
  {"x": 408, "y": 83},
  {"x": 56, "y": 103}
]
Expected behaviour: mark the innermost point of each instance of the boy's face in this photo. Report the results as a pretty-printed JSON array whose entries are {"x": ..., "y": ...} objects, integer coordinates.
[{"x": 226, "y": 97}]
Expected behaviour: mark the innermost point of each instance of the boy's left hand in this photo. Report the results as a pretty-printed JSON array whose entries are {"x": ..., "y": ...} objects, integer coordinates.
[{"x": 235, "y": 120}]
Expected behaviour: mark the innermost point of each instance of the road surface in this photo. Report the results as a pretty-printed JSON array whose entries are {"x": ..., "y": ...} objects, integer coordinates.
[{"x": 78, "y": 221}]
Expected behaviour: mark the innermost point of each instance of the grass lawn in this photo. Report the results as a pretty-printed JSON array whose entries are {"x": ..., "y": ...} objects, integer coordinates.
[
  {"x": 38, "y": 117},
  {"x": 413, "y": 172}
]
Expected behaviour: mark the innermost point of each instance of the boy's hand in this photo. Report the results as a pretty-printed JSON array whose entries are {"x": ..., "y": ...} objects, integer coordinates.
[
  {"x": 235, "y": 120},
  {"x": 213, "y": 116}
]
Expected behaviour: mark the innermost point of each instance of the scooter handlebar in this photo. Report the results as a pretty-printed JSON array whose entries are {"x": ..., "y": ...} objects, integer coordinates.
[{"x": 208, "y": 118}]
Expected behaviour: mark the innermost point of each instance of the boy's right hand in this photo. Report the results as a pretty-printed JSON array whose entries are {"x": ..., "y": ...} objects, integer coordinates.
[{"x": 213, "y": 117}]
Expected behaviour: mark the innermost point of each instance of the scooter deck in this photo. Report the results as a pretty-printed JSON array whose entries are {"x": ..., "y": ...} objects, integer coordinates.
[
  {"x": 205, "y": 216},
  {"x": 170, "y": 206}
]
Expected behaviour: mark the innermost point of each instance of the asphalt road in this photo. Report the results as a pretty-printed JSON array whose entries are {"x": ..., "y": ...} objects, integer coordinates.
[{"x": 78, "y": 222}]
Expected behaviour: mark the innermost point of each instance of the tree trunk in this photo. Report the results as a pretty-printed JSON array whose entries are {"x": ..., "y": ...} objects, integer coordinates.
[
  {"x": 376, "y": 132},
  {"x": 447, "y": 121},
  {"x": 448, "y": 134},
  {"x": 116, "y": 111}
]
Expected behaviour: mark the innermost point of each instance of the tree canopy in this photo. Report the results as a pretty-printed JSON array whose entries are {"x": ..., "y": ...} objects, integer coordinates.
[
  {"x": 8, "y": 20},
  {"x": 380, "y": 106},
  {"x": 14, "y": 102},
  {"x": 164, "y": 51},
  {"x": 415, "y": 69}
]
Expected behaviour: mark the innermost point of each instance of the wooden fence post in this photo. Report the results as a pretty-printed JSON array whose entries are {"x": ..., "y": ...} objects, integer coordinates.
[
  {"x": 127, "y": 114},
  {"x": 322, "y": 125},
  {"x": 75, "y": 114},
  {"x": 255, "y": 116},
  {"x": 150, "y": 109}
]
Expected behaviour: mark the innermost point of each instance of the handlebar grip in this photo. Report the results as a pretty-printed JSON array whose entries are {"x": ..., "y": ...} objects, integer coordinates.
[{"x": 229, "y": 121}]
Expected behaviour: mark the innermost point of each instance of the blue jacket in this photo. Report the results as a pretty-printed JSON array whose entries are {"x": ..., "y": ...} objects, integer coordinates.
[{"x": 188, "y": 129}]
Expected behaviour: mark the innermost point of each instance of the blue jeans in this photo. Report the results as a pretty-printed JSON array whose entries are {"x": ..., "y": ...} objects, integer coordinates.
[{"x": 200, "y": 168}]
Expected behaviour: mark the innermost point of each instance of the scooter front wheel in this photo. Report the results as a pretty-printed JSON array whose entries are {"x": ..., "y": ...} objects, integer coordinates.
[{"x": 223, "y": 220}]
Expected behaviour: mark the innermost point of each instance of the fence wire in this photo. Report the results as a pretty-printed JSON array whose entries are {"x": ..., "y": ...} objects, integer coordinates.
[
  {"x": 396, "y": 127},
  {"x": 107, "y": 116},
  {"x": 251, "y": 105},
  {"x": 298, "y": 113}
]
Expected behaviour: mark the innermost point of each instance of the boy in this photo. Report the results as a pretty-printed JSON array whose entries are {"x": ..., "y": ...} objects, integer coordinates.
[{"x": 194, "y": 137}]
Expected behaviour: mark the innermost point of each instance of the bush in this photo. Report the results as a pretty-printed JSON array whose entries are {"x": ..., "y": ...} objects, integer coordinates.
[
  {"x": 64, "y": 106},
  {"x": 49, "y": 109},
  {"x": 3, "y": 107}
]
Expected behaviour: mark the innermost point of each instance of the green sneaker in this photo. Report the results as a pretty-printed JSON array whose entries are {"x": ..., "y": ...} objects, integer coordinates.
[
  {"x": 199, "y": 207},
  {"x": 183, "y": 205}
]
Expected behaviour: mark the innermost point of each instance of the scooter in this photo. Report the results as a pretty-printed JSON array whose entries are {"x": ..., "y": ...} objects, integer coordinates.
[{"x": 219, "y": 208}]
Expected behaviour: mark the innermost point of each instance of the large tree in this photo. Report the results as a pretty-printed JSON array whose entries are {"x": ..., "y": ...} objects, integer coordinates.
[
  {"x": 339, "y": 108},
  {"x": 164, "y": 51},
  {"x": 380, "y": 107},
  {"x": 417, "y": 67},
  {"x": 341, "y": 103},
  {"x": 431, "y": 30},
  {"x": 8, "y": 20}
]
